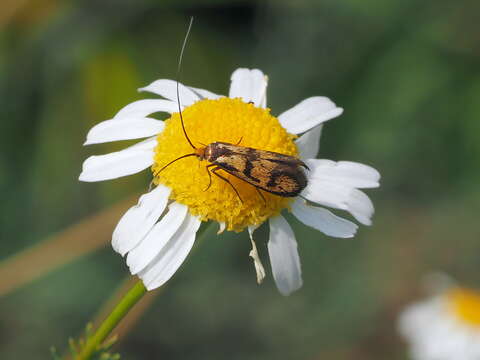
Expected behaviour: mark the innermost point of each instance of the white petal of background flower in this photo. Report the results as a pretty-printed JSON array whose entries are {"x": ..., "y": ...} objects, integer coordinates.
[
  {"x": 128, "y": 128},
  {"x": 139, "y": 219},
  {"x": 172, "y": 255},
  {"x": 157, "y": 238},
  {"x": 309, "y": 143},
  {"x": 143, "y": 108},
  {"x": 323, "y": 220},
  {"x": 339, "y": 196},
  {"x": 121, "y": 163},
  {"x": 346, "y": 173},
  {"x": 205, "y": 94},
  {"x": 434, "y": 333},
  {"x": 284, "y": 259},
  {"x": 168, "y": 89},
  {"x": 250, "y": 85},
  {"x": 308, "y": 114}
]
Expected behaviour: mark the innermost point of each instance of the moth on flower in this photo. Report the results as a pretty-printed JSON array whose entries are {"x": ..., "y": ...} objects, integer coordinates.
[
  {"x": 269, "y": 171},
  {"x": 260, "y": 168}
]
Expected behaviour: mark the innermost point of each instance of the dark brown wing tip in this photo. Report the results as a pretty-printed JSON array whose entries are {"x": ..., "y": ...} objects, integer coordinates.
[{"x": 304, "y": 165}]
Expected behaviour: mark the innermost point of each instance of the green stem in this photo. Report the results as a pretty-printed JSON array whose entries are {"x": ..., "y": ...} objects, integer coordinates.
[
  {"x": 117, "y": 314},
  {"x": 122, "y": 308}
]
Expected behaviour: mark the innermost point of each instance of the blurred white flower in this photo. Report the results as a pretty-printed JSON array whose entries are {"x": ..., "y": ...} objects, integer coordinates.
[{"x": 445, "y": 326}]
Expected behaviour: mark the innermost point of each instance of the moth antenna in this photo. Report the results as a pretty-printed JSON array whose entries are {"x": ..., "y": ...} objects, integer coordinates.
[
  {"x": 171, "y": 162},
  {"x": 178, "y": 76}
]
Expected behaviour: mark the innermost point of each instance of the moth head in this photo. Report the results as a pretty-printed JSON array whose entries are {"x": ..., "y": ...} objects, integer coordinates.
[{"x": 203, "y": 152}]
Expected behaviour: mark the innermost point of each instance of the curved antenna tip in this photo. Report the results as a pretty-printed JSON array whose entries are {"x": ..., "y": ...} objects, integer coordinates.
[{"x": 178, "y": 76}]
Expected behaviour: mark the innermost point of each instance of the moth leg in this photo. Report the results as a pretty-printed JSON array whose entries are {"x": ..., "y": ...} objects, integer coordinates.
[
  {"x": 214, "y": 171},
  {"x": 209, "y": 176},
  {"x": 239, "y": 141},
  {"x": 261, "y": 195}
]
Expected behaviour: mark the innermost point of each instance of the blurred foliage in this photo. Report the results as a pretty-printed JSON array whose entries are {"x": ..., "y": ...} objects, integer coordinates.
[
  {"x": 76, "y": 346},
  {"x": 406, "y": 73}
]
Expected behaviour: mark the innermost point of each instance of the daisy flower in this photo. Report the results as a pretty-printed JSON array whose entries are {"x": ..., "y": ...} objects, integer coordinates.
[
  {"x": 445, "y": 326},
  {"x": 157, "y": 234}
]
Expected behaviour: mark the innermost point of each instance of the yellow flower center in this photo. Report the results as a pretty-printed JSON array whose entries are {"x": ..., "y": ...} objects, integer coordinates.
[
  {"x": 226, "y": 120},
  {"x": 465, "y": 304}
]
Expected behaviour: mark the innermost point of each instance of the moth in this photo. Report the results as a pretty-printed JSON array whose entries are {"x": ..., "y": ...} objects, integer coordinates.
[{"x": 269, "y": 171}]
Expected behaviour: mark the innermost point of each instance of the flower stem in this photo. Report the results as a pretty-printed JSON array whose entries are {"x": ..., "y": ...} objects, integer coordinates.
[
  {"x": 117, "y": 314},
  {"x": 122, "y": 309}
]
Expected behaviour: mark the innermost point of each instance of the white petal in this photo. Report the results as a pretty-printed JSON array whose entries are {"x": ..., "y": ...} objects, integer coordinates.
[
  {"x": 139, "y": 219},
  {"x": 155, "y": 240},
  {"x": 142, "y": 108},
  {"x": 251, "y": 229},
  {"x": 346, "y": 173},
  {"x": 121, "y": 163},
  {"x": 172, "y": 255},
  {"x": 263, "y": 99},
  {"x": 257, "y": 262},
  {"x": 221, "y": 227},
  {"x": 250, "y": 85},
  {"x": 309, "y": 143},
  {"x": 360, "y": 206},
  {"x": 308, "y": 114},
  {"x": 327, "y": 193},
  {"x": 340, "y": 197},
  {"x": 128, "y": 128},
  {"x": 323, "y": 220},
  {"x": 205, "y": 94},
  {"x": 168, "y": 89},
  {"x": 282, "y": 248}
]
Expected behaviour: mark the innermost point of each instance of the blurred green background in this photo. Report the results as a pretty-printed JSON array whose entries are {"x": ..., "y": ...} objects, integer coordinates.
[{"x": 407, "y": 74}]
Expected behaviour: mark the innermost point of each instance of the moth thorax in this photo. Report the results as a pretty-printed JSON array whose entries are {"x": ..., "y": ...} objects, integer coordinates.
[
  {"x": 209, "y": 152},
  {"x": 202, "y": 152}
]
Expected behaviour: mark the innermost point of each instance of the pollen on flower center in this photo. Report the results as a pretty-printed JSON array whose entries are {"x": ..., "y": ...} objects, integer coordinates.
[
  {"x": 226, "y": 120},
  {"x": 465, "y": 304}
]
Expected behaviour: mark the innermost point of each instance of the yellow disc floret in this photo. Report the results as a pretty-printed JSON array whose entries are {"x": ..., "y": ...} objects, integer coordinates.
[
  {"x": 465, "y": 304},
  {"x": 226, "y": 120}
]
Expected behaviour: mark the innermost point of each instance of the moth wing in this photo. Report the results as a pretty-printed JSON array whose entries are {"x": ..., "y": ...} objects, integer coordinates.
[{"x": 272, "y": 172}]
